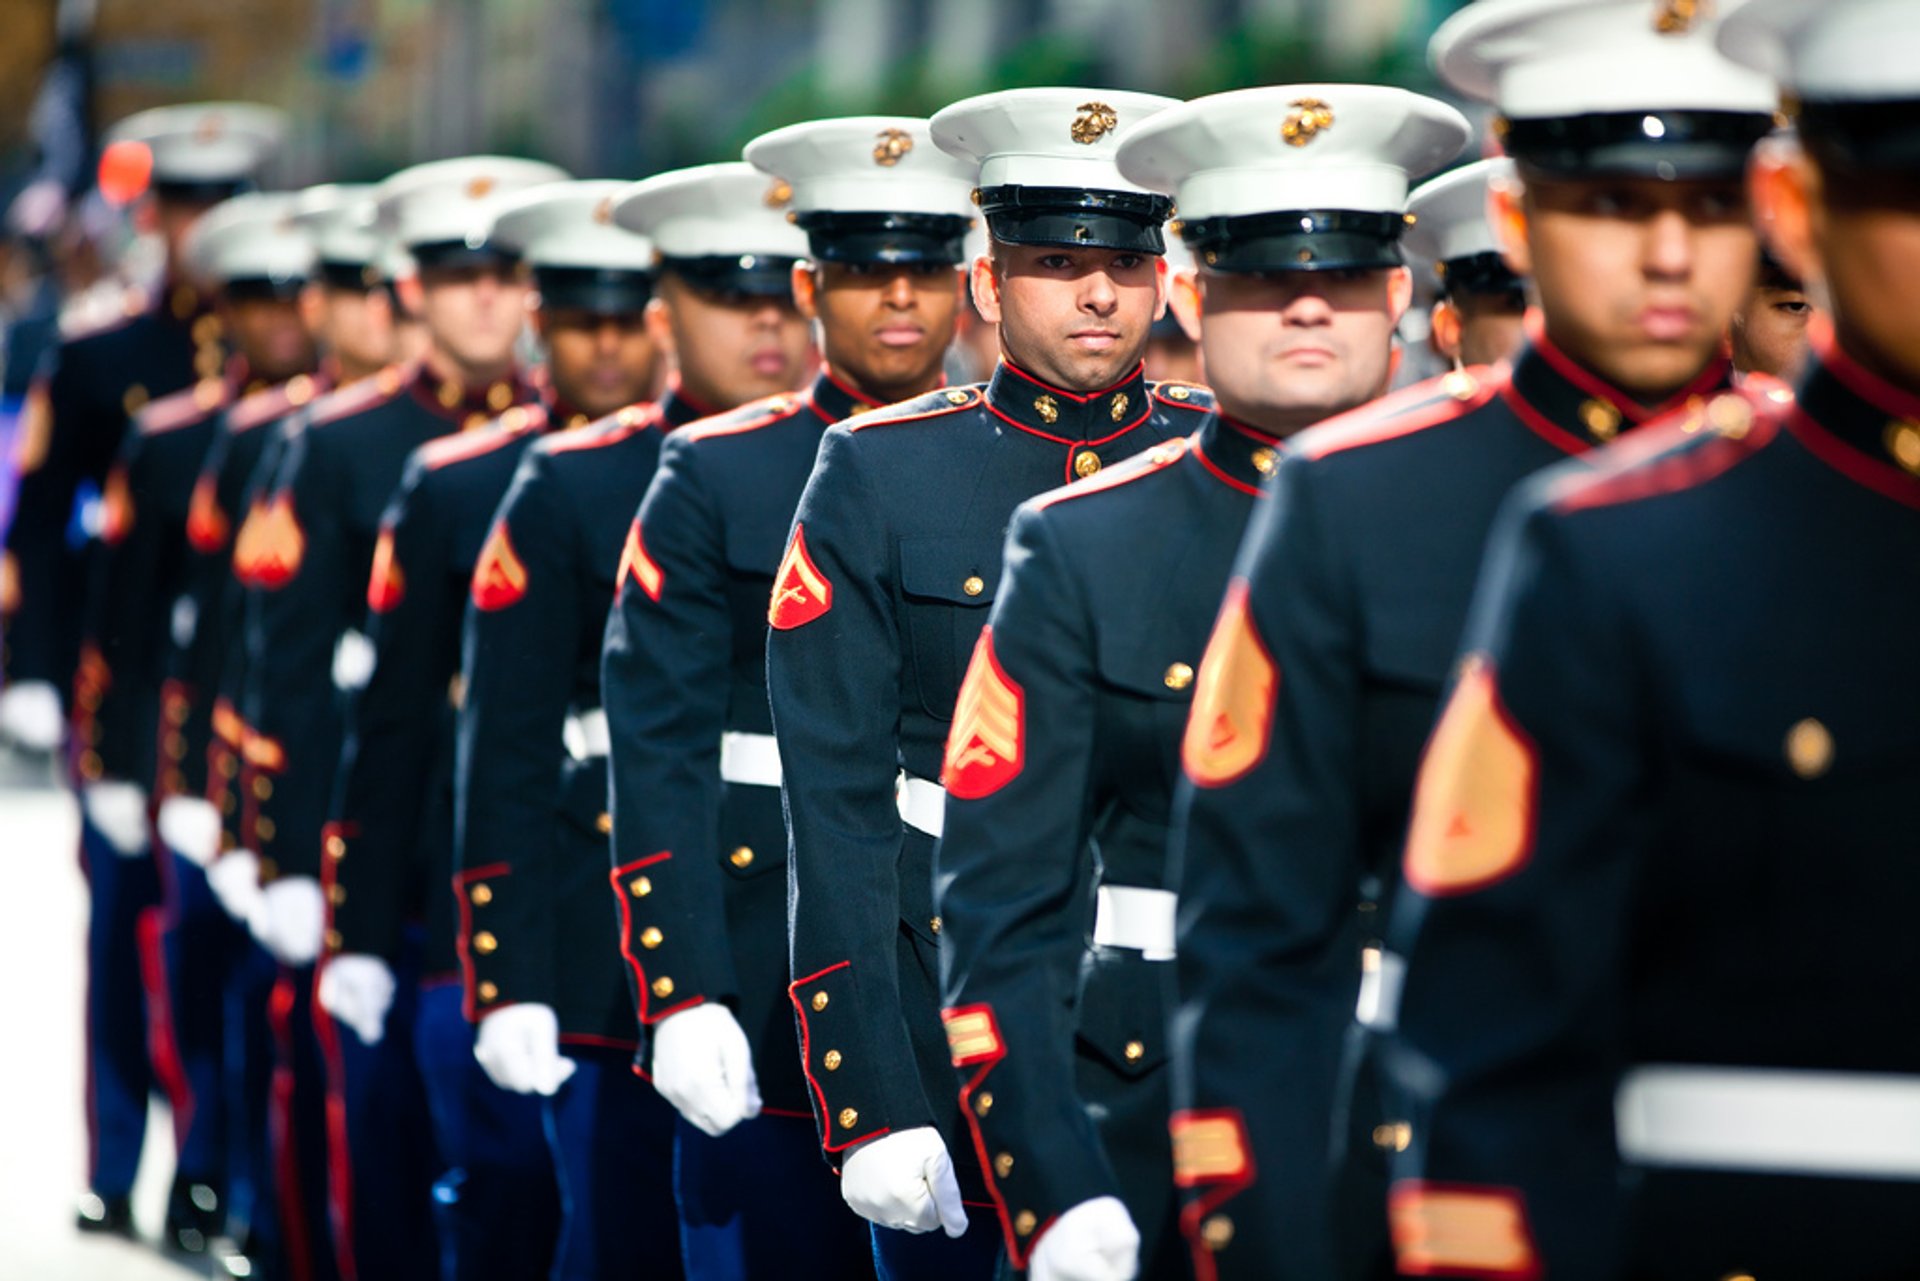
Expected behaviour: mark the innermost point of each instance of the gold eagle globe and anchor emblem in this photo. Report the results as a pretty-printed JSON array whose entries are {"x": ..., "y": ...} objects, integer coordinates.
[
  {"x": 779, "y": 193},
  {"x": 892, "y": 147},
  {"x": 1677, "y": 17},
  {"x": 1309, "y": 118},
  {"x": 1095, "y": 121}
]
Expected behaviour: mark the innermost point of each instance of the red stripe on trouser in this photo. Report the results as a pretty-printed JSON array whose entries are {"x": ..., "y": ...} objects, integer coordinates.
[
  {"x": 162, "y": 1048},
  {"x": 282, "y": 1131},
  {"x": 339, "y": 1153}
]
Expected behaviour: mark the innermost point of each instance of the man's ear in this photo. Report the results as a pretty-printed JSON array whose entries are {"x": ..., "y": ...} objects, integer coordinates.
[
  {"x": 313, "y": 307},
  {"x": 1162, "y": 285},
  {"x": 1399, "y": 291},
  {"x": 1187, "y": 298},
  {"x": 806, "y": 289},
  {"x": 1447, "y": 330},
  {"x": 1507, "y": 215},
  {"x": 1785, "y": 185},
  {"x": 985, "y": 281},
  {"x": 658, "y": 318},
  {"x": 413, "y": 296}
]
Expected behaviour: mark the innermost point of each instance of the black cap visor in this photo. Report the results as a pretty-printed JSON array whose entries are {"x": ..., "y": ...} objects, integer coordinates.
[
  {"x": 760, "y": 275},
  {"x": 1076, "y": 218},
  {"x": 603, "y": 290},
  {"x": 1298, "y": 240},
  {"x": 1667, "y": 145},
  {"x": 884, "y": 238},
  {"x": 458, "y": 255},
  {"x": 1878, "y": 137},
  {"x": 263, "y": 288},
  {"x": 1479, "y": 275}
]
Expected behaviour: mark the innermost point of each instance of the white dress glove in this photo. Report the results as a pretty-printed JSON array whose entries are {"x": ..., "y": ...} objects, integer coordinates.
[
  {"x": 291, "y": 920},
  {"x": 704, "y": 1067},
  {"x": 1093, "y": 1241},
  {"x": 519, "y": 1049},
  {"x": 118, "y": 811},
  {"x": 191, "y": 829},
  {"x": 30, "y": 716},
  {"x": 234, "y": 878},
  {"x": 357, "y": 989},
  {"x": 905, "y": 1181}
]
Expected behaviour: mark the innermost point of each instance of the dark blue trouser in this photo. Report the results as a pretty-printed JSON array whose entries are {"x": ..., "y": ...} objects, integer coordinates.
[
  {"x": 935, "y": 1256},
  {"x": 124, "y": 895},
  {"x": 495, "y": 1201},
  {"x": 759, "y": 1202},
  {"x": 299, "y": 1129},
  {"x": 380, "y": 1141},
  {"x": 203, "y": 945},
  {"x": 253, "y": 1213},
  {"x": 612, "y": 1139}
]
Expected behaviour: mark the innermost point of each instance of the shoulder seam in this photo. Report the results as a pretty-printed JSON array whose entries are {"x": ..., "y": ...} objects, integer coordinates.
[
  {"x": 1403, "y": 413},
  {"x": 745, "y": 418},
  {"x": 1151, "y": 463},
  {"x": 939, "y": 410}
]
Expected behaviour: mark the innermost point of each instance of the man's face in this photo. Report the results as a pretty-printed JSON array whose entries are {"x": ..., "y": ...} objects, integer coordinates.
[
  {"x": 270, "y": 333},
  {"x": 474, "y": 312},
  {"x": 885, "y": 327},
  {"x": 356, "y": 325},
  {"x": 1481, "y": 329},
  {"x": 1075, "y": 318},
  {"x": 1769, "y": 332},
  {"x": 1285, "y": 349},
  {"x": 1862, "y": 239},
  {"x": 1637, "y": 278},
  {"x": 600, "y": 362},
  {"x": 735, "y": 347},
  {"x": 172, "y": 217}
]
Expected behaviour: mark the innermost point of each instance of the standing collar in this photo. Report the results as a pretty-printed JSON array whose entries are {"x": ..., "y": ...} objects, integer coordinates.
[
  {"x": 470, "y": 406},
  {"x": 1236, "y": 454},
  {"x": 677, "y": 410},
  {"x": 1066, "y": 417},
  {"x": 1576, "y": 409},
  {"x": 835, "y": 398},
  {"x": 1856, "y": 421}
]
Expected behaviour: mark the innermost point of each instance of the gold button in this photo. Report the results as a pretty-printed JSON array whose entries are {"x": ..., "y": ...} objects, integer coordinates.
[
  {"x": 474, "y": 422},
  {"x": 819, "y": 1001},
  {"x": 974, "y": 585},
  {"x": 640, "y": 886},
  {"x": 742, "y": 857},
  {"x": 90, "y": 764},
  {"x": 484, "y": 942},
  {"x": 1263, "y": 459},
  {"x": 604, "y": 823},
  {"x": 1135, "y": 1051},
  {"x": 336, "y": 848},
  {"x": 1903, "y": 442},
  {"x": 229, "y": 766},
  {"x": 1809, "y": 748},
  {"x": 269, "y": 870},
  {"x": 1179, "y": 676},
  {"x": 983, "y": 1105},
  {"x": 651, "y": 938},
  {"x": 481, "y": 894},
  {"x": 489, "y": 991},
  {"x": 263, "y": 788},
  {"x": 934, "y": 925},
  {"x": 336, "y": 894},
  {"x": 449, "y": 394},
  {"x": 956, "y": 398},
  {"x": 847, "y": 1118},
  {"x": 1048, "y": 408},
  {"x": 499, "y": 396},
  {"x": 1601, "y": 418},
  {"x": 1085, "y": 463},
  {"x": 1460, "y": 385},
  {"x": 333, "y": 940},
  {"x": 228, "y": 804},
  {"x": 1217, "y": 1232},
  {"x": 1393, "y": 1136},
  {"x": 1737, "y": 1276},
  {"x": 265, "y": 829},
  {"x": 663, "y": 986},
  {"x": 832, "y": 1060},
  {"x": 1178, "y": 393},
  {"x": 1025, "y": 1222},
  {"x": 1003, "y": 1164}
]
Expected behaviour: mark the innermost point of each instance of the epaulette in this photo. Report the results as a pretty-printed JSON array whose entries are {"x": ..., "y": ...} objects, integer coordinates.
[
  {"x": 101, "y": 310},
  {"x": 1157, "y": 459},
  {"x": 1676, "y": 452},
  {"x": 1401, "y": 413},
  {"x": 182, "y": 408},
  {"x": 751, "y": 416},
  {"x": 443, "y": 450},
  {"x": 359, "y": 396},
  {"x": 611, "y": 430},
  {"x": 274, "y": 402},
  {"x": 1182, "y": 395},
  {"x": 935, "y": 404}
]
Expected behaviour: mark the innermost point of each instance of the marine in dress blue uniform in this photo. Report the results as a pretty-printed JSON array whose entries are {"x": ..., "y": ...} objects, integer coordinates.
[
  {"x": 1643, "y": 1029},
  {"x": 1479, "y": 317},
  {"x": 539, "y": 945},
  {"x": 1062, "y": 760},
  {"x": 695, "y": 774},
  {"x": 307, "y": 653},
  {"x": 892, "y": 562},
  {"x": 1338, "y": 634}
]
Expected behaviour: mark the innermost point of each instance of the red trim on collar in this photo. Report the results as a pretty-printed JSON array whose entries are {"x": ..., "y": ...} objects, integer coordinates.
[
  {"x": 1861, "y": 468},
  {"x": 1708, "y": 379},
  {"x": 1856, "y": 378},
  {"x": 1542, "y": 426},
  {"x": 826, "y": 371},
  {"x": 1146, "y": 410},
  {"x": 1139, "y": 371},
  {"x": 1200, "y": 452}
]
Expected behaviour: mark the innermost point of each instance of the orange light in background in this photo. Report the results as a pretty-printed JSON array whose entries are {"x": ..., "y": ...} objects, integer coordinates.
[{"x": 125, "y": 169}]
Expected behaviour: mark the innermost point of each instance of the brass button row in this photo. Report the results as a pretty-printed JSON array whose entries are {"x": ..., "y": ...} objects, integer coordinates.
[
  {"x": 481, "y": 894},
  {"x": 741, "y": 858},
  {"x": 485, "y": 943}
]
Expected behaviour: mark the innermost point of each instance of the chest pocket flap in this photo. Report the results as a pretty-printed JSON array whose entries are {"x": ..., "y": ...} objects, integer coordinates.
[{"x": 947, "y": 584}]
